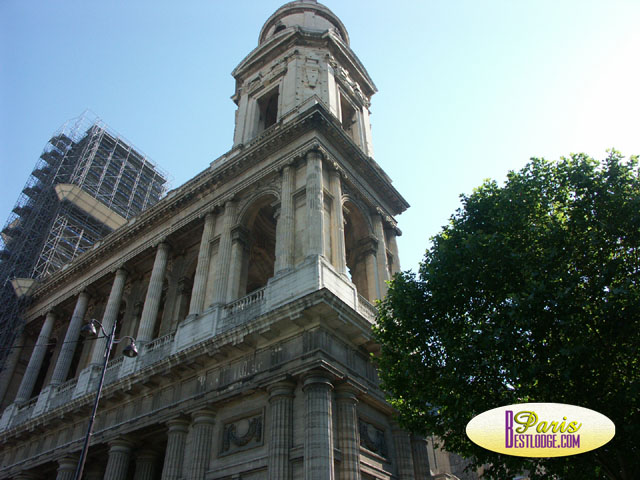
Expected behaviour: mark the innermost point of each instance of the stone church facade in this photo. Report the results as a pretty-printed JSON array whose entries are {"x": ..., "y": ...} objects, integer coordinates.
[{"x": 249, "y": 291}]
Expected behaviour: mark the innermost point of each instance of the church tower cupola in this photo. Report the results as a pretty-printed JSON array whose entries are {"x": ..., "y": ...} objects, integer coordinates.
[{"x": 303, "y": 59}]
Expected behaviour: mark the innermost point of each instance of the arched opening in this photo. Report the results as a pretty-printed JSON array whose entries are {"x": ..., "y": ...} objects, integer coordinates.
[
  {"x": 359, "y": 249},
  {"x": 255, "y": 244}
]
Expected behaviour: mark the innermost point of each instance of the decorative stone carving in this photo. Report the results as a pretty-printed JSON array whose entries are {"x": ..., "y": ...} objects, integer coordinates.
[
  {"x": 372, "y": 438},
  {"x": 242, "y": 434}
]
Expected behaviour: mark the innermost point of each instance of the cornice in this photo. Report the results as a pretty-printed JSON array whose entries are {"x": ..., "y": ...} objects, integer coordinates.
[{"x": 299, "y": 36}]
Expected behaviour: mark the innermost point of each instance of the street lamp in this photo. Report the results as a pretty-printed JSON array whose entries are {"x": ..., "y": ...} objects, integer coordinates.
[{"x": 89, "y": 330}]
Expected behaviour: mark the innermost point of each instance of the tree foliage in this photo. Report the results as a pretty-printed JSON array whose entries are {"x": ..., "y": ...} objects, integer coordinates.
[{"x": 530, "y": 294}]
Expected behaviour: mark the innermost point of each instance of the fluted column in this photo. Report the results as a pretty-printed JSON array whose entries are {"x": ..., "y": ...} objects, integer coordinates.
[
  {"x": 202, "y": 268},
  {"x": 393, "y": 247},
  {"x": 174, "y": 454},
  {"x": 420, "y": 458},
  {"x": 285, "y": 226},
  {"x": 339, "y": 258},
  {"x": 67, "y": 468},
  {"x": 318, "y": 432},
  {"x": 35, "y": 362},
  {"x": 110, "y": 315},
  {"x": 10, "y": 366},
  {"x": 223, "y": 263},
  {"x": 154, "y": 295},
  {"x": 201, "y": 444},
  {"x": 315, "y": 205},
  {"x": 239, "y": 244},
  {"x": 146, "y": 463},
  {"x": 404, "y": 462},
  {"x": 369, "y": 249},
  {"x": 70, "y": 340},
  {"x": 381, "y": 254},
  {"x": 119, "y": 458},
  {"x": 348, "y": 433},
  {"x": 281, "y": 431}
]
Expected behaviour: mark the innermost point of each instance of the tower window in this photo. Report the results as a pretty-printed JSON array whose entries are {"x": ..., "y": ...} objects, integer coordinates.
[
  {"x": 268, "y": 106},
  {"x": 349, "y": 118}
]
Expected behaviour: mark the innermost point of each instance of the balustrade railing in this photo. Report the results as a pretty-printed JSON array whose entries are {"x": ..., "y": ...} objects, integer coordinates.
[
  {"x": 241, "y": 310},
  {"x": 366, "y": 309}
]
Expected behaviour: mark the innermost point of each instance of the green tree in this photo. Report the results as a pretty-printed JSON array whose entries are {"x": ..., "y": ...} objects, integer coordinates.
[{"x": 530, "y": 294}]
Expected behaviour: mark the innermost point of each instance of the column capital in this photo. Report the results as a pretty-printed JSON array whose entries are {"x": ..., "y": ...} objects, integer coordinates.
[
  {"x": 163, "y": 244},
  {"x": 282, "y": 388},
  {"x": 239, "y": 233},
  {"x": 179, "y": 424},
  {"x": 203, "y": 416},
  {"x": 68, "y": 462},
  {"x": 121, "y": 444},
  {"x": 317, "y": 378},
  {"x": 346, "y": 392}
]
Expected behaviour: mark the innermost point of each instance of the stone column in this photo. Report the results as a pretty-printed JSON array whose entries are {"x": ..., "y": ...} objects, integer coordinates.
[
  {"x": 10, "y": 366},
  {"x": 35, "y": 362},
  {"x": 119, "y": 458},
  {"x": 146, "y": 461},
  {"x": 420, "y": 458},
  {"x": 110, "y": 315},
  {"x": 202, "y": 268},
  {"x": 201, "y": 444},
  {"x": 339, "y": 258},
  {"x": 348, "y": 433},
  {"x": 67, "y": 468},
  {"x": 174, "y": 455},
  {"x": 381, "y": 254},
  {"x": 393, "y": 247},
  {"x": 239, "y": 241},
  {"x": 369, "y": 249},
  {"x": 70, "y": 340},
  {"x": 404, "y": 462},
  {"x": 315, "y": 205},
  {"x": 318, "y": 431},
  {"x": 285, "y": 226},
  {"x": 281, "y": 429},
  {"x": 224, "y": 254},
  {"x": 154, "y": 294}
]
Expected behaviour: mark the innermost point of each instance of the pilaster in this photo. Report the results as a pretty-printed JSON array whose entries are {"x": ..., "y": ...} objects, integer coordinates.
[{"x": 315, "y": 205}]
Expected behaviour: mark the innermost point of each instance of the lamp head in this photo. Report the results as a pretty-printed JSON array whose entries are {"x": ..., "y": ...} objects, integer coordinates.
[
  {"x": 130, "y": 350},
  {"x": 89, "y": 329}
]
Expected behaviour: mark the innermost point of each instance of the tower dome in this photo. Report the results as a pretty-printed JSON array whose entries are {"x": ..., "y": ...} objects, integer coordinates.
[{"x": 308, "y": 14}]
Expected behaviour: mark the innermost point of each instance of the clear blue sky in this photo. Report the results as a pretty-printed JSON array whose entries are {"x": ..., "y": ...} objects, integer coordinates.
[{"x": 467, "y": 89}]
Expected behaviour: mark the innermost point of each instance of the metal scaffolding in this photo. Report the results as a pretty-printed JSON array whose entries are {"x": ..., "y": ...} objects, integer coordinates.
[{"x": 87, "y": 181}]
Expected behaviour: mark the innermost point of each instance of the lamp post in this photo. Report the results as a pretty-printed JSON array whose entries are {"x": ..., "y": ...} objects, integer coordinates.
[{"x": 130, "y": 350}]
